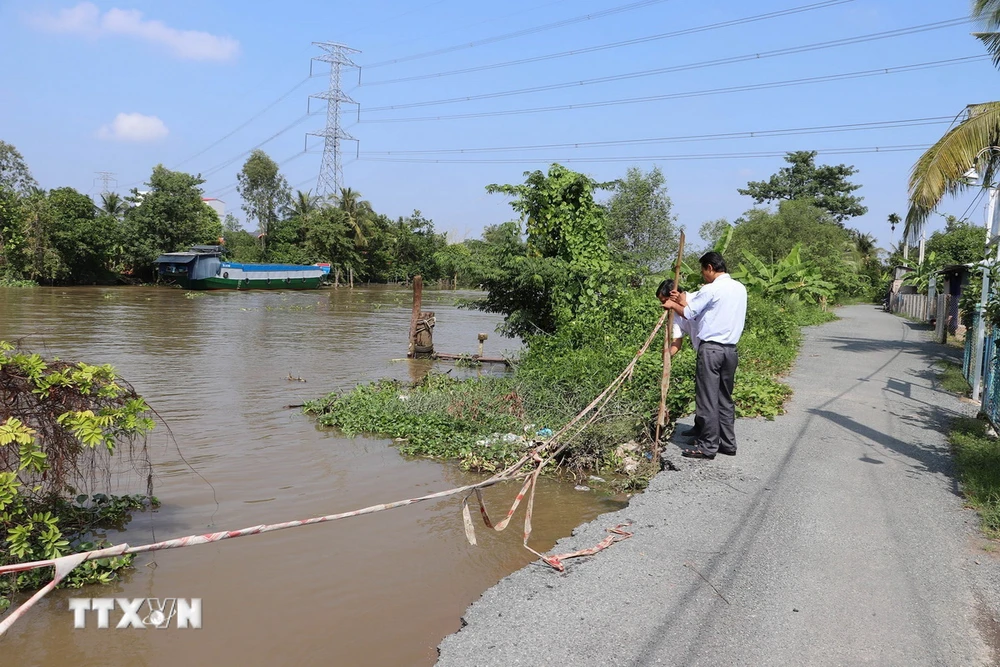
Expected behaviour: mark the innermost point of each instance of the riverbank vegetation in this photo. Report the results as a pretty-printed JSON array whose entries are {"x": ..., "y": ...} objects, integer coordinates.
[
  {"x": 575, "y": 279},
  {"x": 61, "y": 236},
  {"x": 62, "y": 424}
]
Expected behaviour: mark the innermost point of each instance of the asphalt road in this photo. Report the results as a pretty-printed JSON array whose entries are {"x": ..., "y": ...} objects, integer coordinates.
[{"x": 835, "y": 537}]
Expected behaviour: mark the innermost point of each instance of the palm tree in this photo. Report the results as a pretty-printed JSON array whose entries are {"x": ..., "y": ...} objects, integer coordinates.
[
  {"x": 987, "y": 12},
  {"x": 865, "y": 245},
  {"x": 356, "y": 212},
  {"x": 303, "y": 205},
  {"x": 942, "y": 169},
  {"x": 894, "y": 220},
  {"x": 112, "y": 204}
]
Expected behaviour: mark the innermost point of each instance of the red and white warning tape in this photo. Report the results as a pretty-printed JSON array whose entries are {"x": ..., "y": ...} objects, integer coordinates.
[{"x": 65, "y": 564}]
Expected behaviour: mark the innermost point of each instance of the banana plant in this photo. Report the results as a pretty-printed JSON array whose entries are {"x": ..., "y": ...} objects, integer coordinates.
[
  {"x": 921, "y": 276},
  {"x": 789, "y": 277}
]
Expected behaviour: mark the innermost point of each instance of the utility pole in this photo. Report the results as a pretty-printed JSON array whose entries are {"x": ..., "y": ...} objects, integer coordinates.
[
  {"x": 105, "y": 177},
  {"x": 331, "y": 171}
]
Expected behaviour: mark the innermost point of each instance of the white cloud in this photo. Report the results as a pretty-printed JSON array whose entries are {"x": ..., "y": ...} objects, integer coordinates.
[
  {"x": 83, "y": 19},
  {"x": 86, "y": 19},
  {"x": 133, "y": 127}
]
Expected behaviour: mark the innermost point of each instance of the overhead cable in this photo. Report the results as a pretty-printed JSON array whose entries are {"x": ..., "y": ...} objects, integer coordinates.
[
  {"x": 656, "y": 158},
  {"x": 681, "y": 68},
  {"x": 232, "y": 186},
  {"x": 697, "y": 93},
  {"x": 223, "y": 165},
  {"x": 521, "y": 33},
  {"x": 252, "y": 118},
  {"x": 615, "y": 45},
  {"x": 816, "y": 129}
]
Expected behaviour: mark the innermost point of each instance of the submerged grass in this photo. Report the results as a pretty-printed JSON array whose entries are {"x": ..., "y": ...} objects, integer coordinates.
[
  {"x": 977, "y": 456},
  {"x": 439, "y": 417}
]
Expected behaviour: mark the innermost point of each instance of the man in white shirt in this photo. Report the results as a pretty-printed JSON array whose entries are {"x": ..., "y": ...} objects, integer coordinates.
[
  {"x": 682, "y": 327},
  {"x": 718, "y": 310}
]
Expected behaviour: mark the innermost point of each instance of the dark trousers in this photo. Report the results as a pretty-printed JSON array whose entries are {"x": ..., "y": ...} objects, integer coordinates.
[{"x": 715, "y": 415}]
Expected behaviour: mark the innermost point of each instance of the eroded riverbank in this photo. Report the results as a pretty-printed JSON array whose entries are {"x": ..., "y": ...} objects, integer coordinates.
[
  {"x": 216, "y": 367},
  {"x": 835, "y": 537}
]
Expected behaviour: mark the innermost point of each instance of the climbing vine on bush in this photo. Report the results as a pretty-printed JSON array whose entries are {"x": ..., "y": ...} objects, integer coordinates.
[{"x": 565, "y": 266}]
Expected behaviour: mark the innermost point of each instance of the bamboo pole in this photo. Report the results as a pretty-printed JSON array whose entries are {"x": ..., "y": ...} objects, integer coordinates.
[
  {"x": 418, "y": 288},
  {"x": 661, "y": 418}
]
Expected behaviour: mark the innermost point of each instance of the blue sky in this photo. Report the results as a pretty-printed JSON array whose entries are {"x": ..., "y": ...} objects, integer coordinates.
[{"x": 121, "y": 86}]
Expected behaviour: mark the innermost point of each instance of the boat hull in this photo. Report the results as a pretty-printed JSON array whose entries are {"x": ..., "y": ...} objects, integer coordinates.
[
  {"x": 206, "y": 271},
  {"x": 218, "y": 283}
]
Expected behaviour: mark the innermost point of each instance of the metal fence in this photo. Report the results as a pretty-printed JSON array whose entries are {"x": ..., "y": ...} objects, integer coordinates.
[
  {"x": 990, "y": 377},
  {"x": 991, "y": 383},
  {"x": 968, "y": 356}
]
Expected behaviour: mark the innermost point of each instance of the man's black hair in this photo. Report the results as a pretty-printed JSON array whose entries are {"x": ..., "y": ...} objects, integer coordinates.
[
  {"x": 665, "y": 288},
  {"x": 714, "y": 260}
]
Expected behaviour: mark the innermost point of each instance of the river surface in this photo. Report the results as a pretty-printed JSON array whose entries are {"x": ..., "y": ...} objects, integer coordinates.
[{"x": 382, "y": 589}]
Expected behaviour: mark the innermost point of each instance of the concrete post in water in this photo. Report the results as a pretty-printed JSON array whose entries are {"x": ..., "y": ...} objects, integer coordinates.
[
  {"x": 418, "y": 288},
  {"x": 482, "y": 339},
  {"x": 351, "y": 269}
]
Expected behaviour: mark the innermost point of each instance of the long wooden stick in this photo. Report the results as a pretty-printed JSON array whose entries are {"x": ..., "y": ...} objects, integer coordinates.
[
  {"x": 661, "y": 418},
  {"x": 418, "y": 290}
]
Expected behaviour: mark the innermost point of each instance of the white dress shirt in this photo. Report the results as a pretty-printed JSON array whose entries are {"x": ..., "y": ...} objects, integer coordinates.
[
  {"x": 686, "y": 327},
  {"x": 719, "y": 310}
]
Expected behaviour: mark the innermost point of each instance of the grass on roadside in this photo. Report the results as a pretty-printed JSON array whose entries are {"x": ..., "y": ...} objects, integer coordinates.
[
  {"x": 977, "y": 456},
  {"x": 951, "y": 379}
]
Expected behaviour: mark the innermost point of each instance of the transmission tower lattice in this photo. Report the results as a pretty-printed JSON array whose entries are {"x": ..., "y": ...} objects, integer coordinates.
[
  {"x": 331, "y": 171},
  {"x": 105, "y": 177}
]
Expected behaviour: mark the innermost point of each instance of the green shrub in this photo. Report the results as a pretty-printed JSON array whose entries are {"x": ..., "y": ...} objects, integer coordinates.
[{"x": 62, "y": 422}]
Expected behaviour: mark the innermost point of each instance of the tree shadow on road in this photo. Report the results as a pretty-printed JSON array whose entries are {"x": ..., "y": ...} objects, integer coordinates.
[
  {"x": 924, "y": 348},
  {"x": 928, "y": 458}
]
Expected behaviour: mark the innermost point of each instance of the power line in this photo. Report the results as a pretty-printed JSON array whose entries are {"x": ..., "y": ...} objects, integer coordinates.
[
  {"x": 973, "y": 203},
  {"x": 615, "y": 45},
  {"x": 384, "y": 20},
  {"x": 521, "y": 33},
  {"x": 232, "y": 186},
  {"x": 698, "y": 93},
  {"x": 252, "y": 118},
  {"x": 223, "y": 165},
  {"x": 690, "y": 66},
  {"x": 534, "y": 8},
  {"x": 661, "y": 158},
  {"x": 818, "y": 129}
]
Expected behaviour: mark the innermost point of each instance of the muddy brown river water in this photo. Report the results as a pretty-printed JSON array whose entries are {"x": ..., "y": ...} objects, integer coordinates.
[{"x": 382, "y": 589}]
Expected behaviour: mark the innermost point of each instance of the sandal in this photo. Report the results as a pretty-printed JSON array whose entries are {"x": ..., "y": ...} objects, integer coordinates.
[{"x": 696, "y": 454}]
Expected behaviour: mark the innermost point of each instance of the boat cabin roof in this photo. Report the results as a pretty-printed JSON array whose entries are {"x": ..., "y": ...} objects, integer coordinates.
[{"x": 177, "y": 257}]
